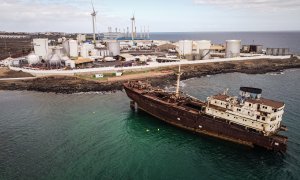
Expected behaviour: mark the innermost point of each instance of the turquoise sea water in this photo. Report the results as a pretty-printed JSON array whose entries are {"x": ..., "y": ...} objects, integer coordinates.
[{"x": 97, "y": 136}]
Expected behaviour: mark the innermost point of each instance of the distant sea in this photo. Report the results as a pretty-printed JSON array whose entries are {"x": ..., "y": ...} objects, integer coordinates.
[
  {"x": 282, "y": 39},
  {"x": 97, "y": 136}
]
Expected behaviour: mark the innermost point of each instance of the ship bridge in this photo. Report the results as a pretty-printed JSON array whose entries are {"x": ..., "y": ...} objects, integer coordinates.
[{"x": 249, "y": 109}]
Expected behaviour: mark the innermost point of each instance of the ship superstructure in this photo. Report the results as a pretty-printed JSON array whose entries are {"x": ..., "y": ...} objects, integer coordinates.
[{"x": 249, "y": 109}]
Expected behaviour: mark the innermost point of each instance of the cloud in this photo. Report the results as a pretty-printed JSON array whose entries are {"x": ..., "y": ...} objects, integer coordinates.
[
  {"x": 51, "y": 15},
  {"x": 254, "y": 4}
]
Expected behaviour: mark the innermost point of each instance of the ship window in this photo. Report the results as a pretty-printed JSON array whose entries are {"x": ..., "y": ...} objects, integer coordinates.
[
  {"x": 258, "y": 117},
  {"x": 250, "y": 105},
  {"x": 216, "y": 102},
  {"x": 263, "y": 118}
]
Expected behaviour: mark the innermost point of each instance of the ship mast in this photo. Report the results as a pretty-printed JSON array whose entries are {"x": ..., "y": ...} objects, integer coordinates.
[{"x": 178, "y": 81}]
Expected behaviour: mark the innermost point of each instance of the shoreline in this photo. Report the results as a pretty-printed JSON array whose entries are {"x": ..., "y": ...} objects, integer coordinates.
[{"x": 73, "y": 84}]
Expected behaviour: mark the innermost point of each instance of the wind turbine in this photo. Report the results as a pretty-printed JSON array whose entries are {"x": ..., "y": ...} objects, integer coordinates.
[
  {"x": 133, "y": 27},
  {"x": 93, "y": 14}
]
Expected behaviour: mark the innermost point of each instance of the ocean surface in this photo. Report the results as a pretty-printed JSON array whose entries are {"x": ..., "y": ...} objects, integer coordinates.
[
  {"x": 97, "y": 136},
  {"x": 267, "y": 39}
]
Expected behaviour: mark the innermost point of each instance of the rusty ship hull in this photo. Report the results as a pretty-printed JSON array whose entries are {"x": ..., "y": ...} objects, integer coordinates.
[{"x": 199, "y": 122}]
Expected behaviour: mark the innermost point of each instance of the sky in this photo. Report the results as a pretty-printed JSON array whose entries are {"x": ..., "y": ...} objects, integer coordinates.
[{"x": 160, "y": 15}]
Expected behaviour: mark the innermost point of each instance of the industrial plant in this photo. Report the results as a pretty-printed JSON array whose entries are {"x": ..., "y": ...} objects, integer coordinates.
[{"x": 116, "y": 48}]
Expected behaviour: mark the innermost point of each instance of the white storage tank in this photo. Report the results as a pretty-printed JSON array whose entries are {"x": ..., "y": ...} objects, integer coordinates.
[
  {"x": 185, "y": 47},
  {"x": 114, "y": 48},
  {"x": 83, "y": 52},
  {"x": 33, "y": 59},
  {"x": 58, "y": 50},
  {"x": 104, "y": 52},
  {"x": 55, "y": 59},
  {"x": 95, "y": 52},
  {"x": 233, "y": 48},
  {"x": 66, "y": 47},
  {"x": 73, "y": 48},
  {"x": 203, "y": 48},
  {"x": 41, "y": 47}
]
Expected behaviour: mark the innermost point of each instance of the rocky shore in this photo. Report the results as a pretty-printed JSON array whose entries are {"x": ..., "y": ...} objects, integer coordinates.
[{"x": 70, "y": 84}]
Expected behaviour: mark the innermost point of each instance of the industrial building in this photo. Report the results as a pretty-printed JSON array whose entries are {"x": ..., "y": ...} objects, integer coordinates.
[
  {"x": 256, "y": 49},
  {"x": 278, "y": 51}
]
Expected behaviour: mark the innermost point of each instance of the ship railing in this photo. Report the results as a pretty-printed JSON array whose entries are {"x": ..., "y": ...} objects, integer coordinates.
[{"x": 192, "y": 97}]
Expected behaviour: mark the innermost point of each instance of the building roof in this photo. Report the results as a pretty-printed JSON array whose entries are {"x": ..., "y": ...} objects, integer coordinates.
[
  {"x": 126, "y": 55},
  {"x": 166, "y": 46},
  {"x": 267, "y": 102},
  {"x": 83, "y": 60},
  {"x": 217, "y": 47},
  {"x": 221, "y": 97}
]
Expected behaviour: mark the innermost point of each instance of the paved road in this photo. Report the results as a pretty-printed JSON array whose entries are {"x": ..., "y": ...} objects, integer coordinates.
[
  {"x": 12, "y": 79},
  {"x": 151, "y": 65}
]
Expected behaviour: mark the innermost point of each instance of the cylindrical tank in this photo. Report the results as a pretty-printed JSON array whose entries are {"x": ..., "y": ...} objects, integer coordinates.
[
  {"x": 185, "y": 47},
  {"x": 203, "y": 48},
  {"x": 58, "y": 50},
  {"x": 73, "y": 48},
  {"x": 66, "y": 47},
  {"x": 233, "y": 48},
  {"x": 55, "y": 59},
  {"x": 275, "y": 51},
  {"x": 94, "y": 52},
  {"x": 65, "y": 58},
  {"x": 114, "y": 48},
  {"x": 33, "y": 59},
  {"x": 83, "y": 52}
]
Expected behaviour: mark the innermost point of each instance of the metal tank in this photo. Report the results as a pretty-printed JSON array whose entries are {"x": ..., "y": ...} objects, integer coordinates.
[
  {"x": 185, "y": 47},
  {"x": 73, "y": 52},
  {"x": 114, "y": 48},
  {"x": 54, "y": 59},
  {"x": 83, "y": 52},
  {"x": 233, "y": 48},
  {"x": 203, "y": 48},
  {"x": 41, "y": 47},
  {"x": 33, "y": 59},
  {"x": 66, "y": 47},
  {"x": 95, "y": 52},
  {"x": 275, "y": 51}
]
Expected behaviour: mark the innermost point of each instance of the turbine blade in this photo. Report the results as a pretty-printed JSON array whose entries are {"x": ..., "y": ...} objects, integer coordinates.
[{"x": 93, "y": 6}]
